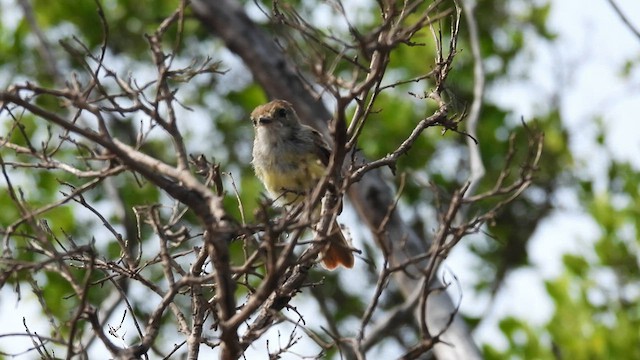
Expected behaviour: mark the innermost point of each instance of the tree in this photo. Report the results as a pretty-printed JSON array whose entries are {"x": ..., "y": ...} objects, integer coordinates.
[{"x": 147, "y": 217}]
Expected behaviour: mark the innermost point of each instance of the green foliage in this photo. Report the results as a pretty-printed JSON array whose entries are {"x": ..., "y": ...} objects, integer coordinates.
[
  {"x": 127, "y": 21},
  {"x": 597, "y": 305},
  {"x": 395, "y": 116},
  {"x": 589, "y": 322},
  {"x": 524, "y": 342}
]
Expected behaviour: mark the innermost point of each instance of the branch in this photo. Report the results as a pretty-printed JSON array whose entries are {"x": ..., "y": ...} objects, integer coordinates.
[
  {"x": 371, "y": 196},
  {"x": 178, "y": 183},
  {"x": 624, "y": 18},
  {"x": 477, "y": 169}
]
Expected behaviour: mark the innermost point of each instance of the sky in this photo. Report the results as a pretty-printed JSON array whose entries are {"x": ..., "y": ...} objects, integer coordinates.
[{"x": 592, "y": 45}]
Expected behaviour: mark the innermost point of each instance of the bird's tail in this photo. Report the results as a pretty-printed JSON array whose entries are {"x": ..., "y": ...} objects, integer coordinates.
[{"x": 337, "y": 251}]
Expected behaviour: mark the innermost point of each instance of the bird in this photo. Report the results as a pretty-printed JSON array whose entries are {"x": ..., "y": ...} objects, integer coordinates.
[{"x": 289, "y": 158}]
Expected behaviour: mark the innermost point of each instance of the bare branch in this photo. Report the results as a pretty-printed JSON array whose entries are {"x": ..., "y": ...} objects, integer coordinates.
[
  {"x": 624, "y": 18},
  {"x": 475, "y": 160}
]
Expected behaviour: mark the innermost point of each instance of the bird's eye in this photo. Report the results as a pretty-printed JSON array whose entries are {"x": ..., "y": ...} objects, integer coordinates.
[{"x": 282, "y": 112}]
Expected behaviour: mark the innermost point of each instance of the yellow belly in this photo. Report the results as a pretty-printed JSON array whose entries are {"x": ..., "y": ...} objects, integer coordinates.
[{"x": 289, "y": 183}]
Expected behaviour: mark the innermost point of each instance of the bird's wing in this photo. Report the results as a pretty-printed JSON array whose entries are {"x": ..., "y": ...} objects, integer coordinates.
[{"x": 320, "y": 147}]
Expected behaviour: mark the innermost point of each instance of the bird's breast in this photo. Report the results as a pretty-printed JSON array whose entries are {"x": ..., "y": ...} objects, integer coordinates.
[{"x": 289, "y": 176}]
